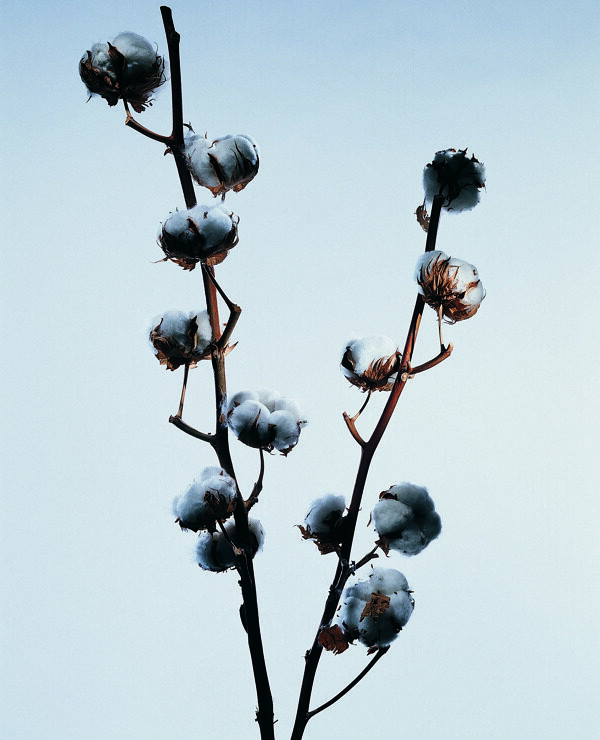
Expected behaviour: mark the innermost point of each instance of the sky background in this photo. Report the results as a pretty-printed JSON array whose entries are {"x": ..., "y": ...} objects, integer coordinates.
[{"x": 110, "y": 631}]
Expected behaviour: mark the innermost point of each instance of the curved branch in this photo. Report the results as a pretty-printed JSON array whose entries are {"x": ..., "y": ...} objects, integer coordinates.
[
  {"x": 376, "y": 658},
  {"x": 178, "y": 422}
]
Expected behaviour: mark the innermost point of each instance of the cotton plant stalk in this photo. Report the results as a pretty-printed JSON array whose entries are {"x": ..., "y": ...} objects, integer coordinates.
[{"x": 370, "y": 610}]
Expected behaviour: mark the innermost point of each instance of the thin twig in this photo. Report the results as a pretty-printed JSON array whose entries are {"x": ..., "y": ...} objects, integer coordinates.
[
  {"x": 367, "y": 558},
  {"x": 178, "y": 422},
  {"x": 234, "y": 309},
  {"x": 253, "y": 497},
  {"x": 353, "y": 430},
  {"x": 186, "y": 372},
  {"x": 444, "y": 354},
  {"x": 136, "y": 126},
  {"x": 376, "y": 658}
]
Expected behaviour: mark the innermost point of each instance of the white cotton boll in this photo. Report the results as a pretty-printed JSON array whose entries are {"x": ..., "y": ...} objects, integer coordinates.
[
  {"x": 286, "y": 430},
  {"x": 455, "y": 176},
  {"x": 269, "y": 398},
  {"x": 449, "y": 284},
  {"x": 227, "y": 163},
  {"x": 387, "y": 581},
  {"x": 370, "y": 362},
  {"x": 324, "y": 513},
  {"x": 101, "y": 59},
  {"x": 140, "y": 55},
  {"x": 405, "y": 519},
  {"x": 250, "y": 423},
  {"x": 240, "y": 397},
  {"x": 389, "y": 516},
  {"x": 179, "y": 338},
  {"x": 214, "y": 552},
  {"x": 209, "y": 499}
]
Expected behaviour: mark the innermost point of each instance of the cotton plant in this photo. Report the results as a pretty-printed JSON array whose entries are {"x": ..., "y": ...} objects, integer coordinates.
[{"x": 365, "y": 607}]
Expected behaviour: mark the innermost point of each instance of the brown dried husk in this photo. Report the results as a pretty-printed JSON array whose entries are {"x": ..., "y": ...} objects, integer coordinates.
[
  {"x": 438, "y": 283},
  {"x": 375, "y": 606},
  {"x": 377, "y": 377},
  {"x": 138, "y": 93}
]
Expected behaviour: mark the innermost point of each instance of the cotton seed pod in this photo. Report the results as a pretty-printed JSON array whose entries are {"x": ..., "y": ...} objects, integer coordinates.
[
  {"x": 228, "y": 163},
  {"x": 375, "y": 610},
  {"x": 214, "y": 552},
  {"x": 208, "y": 500},
  {"x": 201, "y": 234},
  {"x": 405, "y": 519},
  {"x": 455, "y": 176},
  {"x": 265, "y": 419},
  {"x": 449, "y": 284},
  {"x": 179, "y": 338},
  {"x": 323, "y": 522},
  {"x": 128, "y": 68},
  {"x": 371, "y": 363}
]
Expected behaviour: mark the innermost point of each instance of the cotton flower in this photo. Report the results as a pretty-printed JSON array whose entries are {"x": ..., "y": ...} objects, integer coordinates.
[
  {"x": 323, "y": 522},
  {"x": 376, "y": 609},
  {"x": 200, "y": 234},
  {"x": 265, "y": 419},
  {"x": 179, "y": 338},
  {"x": 449, "y": 284},
  {"x": 405, "y": 519},
  {"x": 215, "y": 552},
  {"x": 209, "y": 500},
  {"x": 228, "y": 163},
  {"x": 128, "y": 69},
  {"x": 371, "y": 363},
  {"x": 455, "y": 176}
]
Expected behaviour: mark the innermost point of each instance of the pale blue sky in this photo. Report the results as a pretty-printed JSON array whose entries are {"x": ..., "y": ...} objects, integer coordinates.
[{"x": 111, "y": 632}]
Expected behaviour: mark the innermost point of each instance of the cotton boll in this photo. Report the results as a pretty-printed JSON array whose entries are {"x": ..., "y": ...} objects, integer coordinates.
[
  {"x": 214, "y": 552},
  {"x": 450, "y": 285},
  {"x": 140, "y": 55},
  {"x": 370, "y": 363},
  {"x": 324, "y": 514},
  {"x": 207, "y": 501},
  {"x": 200, "y": 234},
  {"x": 179, "y": 338},
  {"x": 455, "y": 176},
  {"x": 228, "y": 163},
  {"x": 128, "y": 69},
  {"x": 250, "y": 423},
  {"x": 405, "y": 519}
]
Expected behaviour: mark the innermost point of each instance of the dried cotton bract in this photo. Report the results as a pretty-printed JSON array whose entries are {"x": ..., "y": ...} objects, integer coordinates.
[
  {"x": 215, "y": 552},
  {"x": 201, "y": 234},
  {"x": 180, "y": 338},
  {"x": 375, "y": 610},
  {"x": 449, "y": 284},
  {"x": 128, "y": 69},
  {"x": 371, "y": 363},
  {"x": 229, "y": 163},
  {"x": 209, "y": 500},
  {"x": 455, "y": 176},
  {"x": 323, "y": 522},
  {"x": 265, "y": 419},
  {"x": 405, "y": 519}
]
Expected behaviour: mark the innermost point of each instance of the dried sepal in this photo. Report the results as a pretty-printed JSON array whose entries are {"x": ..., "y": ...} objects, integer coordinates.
[
  {"x": 375, "y": 606},
  {"x": 126, "y": 69},
  {"x": 422, "y": 217},
  {"x": 333, "y": 639}
]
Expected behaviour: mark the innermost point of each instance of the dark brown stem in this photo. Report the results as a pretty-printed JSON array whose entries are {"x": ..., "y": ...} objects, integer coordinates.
[
  {"x": 136, "y": 126},
  {"x": 352, "y": 429},
  {"x": 444, "y": 354},
  {"x": 253, "y": 497},
  {"x": 186, "y": 372},
  {"x": 376, "y": 658},
  {"x": 344, "y": 570},
  {"x": 178, "y": 422},
  {"x": 366, "y": 559},
  {"x": 234, "y": 309}
]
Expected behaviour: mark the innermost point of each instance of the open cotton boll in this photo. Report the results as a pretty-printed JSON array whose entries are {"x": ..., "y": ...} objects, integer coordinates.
[
  {"x": 376, "y": 609},
  {"x": 250, "y": 423},
  {"x": 207, "y": 501},
  {"x": 322, "y": 524},
  {"x": 228, "y": 163},
  {"x": 455, "y": 176},
  {"x": 215, "y": 553},
  {"x": 254, "y": 420},
  {"x": 450, "y": 285},
  {"x": 126, "y": 69},
  {"x": 371, "y": 363},
  {"x": 200, "y": 234},
  {"x": 179, "y": 338},
  {"x": 405, "y": 519}
]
